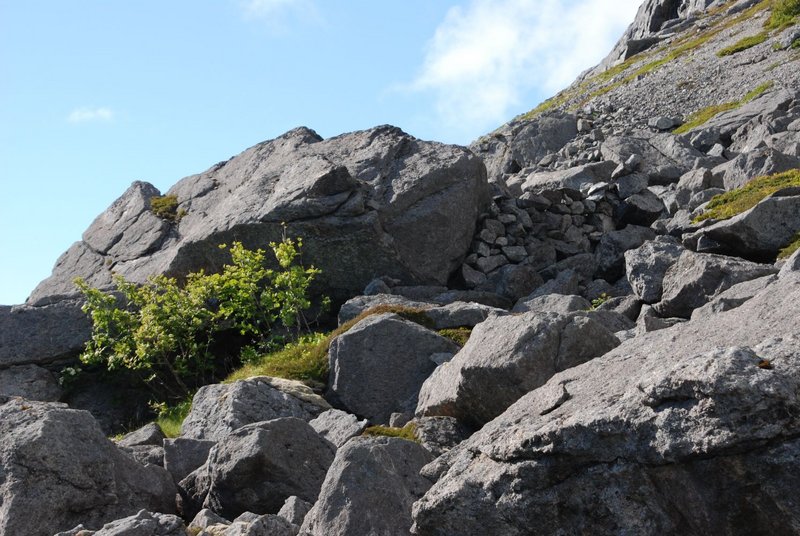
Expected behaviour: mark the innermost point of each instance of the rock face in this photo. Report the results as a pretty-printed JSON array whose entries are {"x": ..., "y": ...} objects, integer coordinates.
[
  {"x": 378, "y": 366},
  {"x": 369, "y": 203},
  {"x": 219, "y": 409},
  {"x": 706, "y": 415},
  {"x": 646, "y": 266},
  {"x": 59, "y": 470},
  {"x": 258, "y": 466},
  {"x": 31, "y": 382},
  {"x": 369, "y": 489}
]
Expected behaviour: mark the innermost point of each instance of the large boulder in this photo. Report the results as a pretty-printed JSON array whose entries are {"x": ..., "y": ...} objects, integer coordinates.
[
  {"x": 369, "y": 489},
  {"x": 646, "y": 266},
  {"x": 221, "y": 408},
  {"x": 257, "y": 467},
  {"x": 695, "y": 278},
  {"x": 610, "y": 252},
  {"x": 378, "y": 366},
  {"x": 369, "y": 203},
  {"x": 690, "y": 430},
  {"x": 756, "y": 163},
  {"x": 30, "y": 381},
  {"x": 59, "y": 470},
  {"x": 338, "y": 426},
  {"x": 505, "y": 358},
  {"x": 143, "y": 523}
]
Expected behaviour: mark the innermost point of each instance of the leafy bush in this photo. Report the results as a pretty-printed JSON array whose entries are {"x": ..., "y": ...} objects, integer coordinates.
[
  {"x": 600, "y": 300},
  {"x": 166, "y": 207},
  {"x": 743, "y": 44},
  {"x": 166, "y": 333},
  {"x": 784, "y": 14},
  {"x": 729, "y": 204},
  {"x": 407, "y": 432}
]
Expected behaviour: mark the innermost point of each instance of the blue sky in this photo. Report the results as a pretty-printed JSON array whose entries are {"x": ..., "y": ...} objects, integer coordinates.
[{"x": 95, "y": 94}]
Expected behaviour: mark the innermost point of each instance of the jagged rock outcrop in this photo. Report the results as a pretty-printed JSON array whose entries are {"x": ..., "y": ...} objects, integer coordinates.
[
  {"x": 59, "y": 470},
  {"x": 701, "y": 413},
  {"x": 369, "y": 203}
]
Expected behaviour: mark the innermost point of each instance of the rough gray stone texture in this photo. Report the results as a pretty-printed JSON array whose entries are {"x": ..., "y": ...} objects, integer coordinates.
[
  {"x": 144, "y": 523},
  {"x": 761, "y": 161},
  {"x": 664, "y": 158},
  {"x": 697, "y": 277},
  {"x": 792, "y": 264},
  {"x": 610, "y": 252},
  {"x": 146, "y": 454},
  {"x": 554, "y": 303},
  {"x": 183, "y": 455},
  {"x": 219, "y": 409},
  {"x": 461, "y": 314},
  {"x": 505, "y": 358},
  {"x": 367, "y": 203},
  {"x": 576, "y": 178},
  {"x": 734, "y": 296},
  {"x": 338, "y": 426},
  {"x": 369, "y": 489},
  {"x": 294, "y": 510},
  {"x": 266, "y": 525},
  {"x": 566, "y": 282},
  {"x": 378, "y": 366},
  {"x": 59, "y": 470},
  {"x": 205, "y": 518},
  {"x": 760, "y": 232},
  {"x": 149, "y": 434},
  {"x": 42, "y": 335},
  {"x": 678, "y": 415},
  {"x": 513, "y": 281},
  {"x": 258, "y": 466},
  {"x": 523, "y": 144},
  {"x": 30, "y": 381},
  {"x": 359, "y": 304},
  {"x": 646, "y": 266},
  {"x": 440, "y": 434}
]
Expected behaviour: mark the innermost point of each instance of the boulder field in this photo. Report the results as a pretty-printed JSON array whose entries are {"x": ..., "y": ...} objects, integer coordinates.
[{"x": 552, "y": 331}]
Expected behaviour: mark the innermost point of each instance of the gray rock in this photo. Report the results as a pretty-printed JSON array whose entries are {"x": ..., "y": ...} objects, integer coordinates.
[
  {"x": 628, "y": 306},
  {"x": 513, "y": 281},
  {"x": 734, "y": 297},
  {"x": 266, "y": 525},
  {"x": 440, "y": 434},
  {"x": 59, "y": 470},
  {"x": 219, "y": 409},
  {"x": 642, "y": 209},
  {"x": 555, "y": 303},
  {"x": 360, "y": 304},
  {"x": 663, "y": 123},
  {"x": 258, "y": 466},
  {"x": 489, "y": 264},
  {"x": 42, "y": 335},
  {"x": 697, "y": 277},
  {"x": 30, "y": 381},
  {"x": 762, "y": 161},
  {"x": 646, "y": 266},
  {"x": 144, "y": 523},
  {"x": 631, "y": 184},
  {"x": 627, "y": 436},
  {"x": 146, "y": 454},
  {"x": 613, "y": 321},
  {"x": 566, "y": 282},
  {"x": 610, "y": 252},
  {"x": 577, "y": 178},
  {"x": 338, "y": 427},
  {"x": 461, "y": 314},
  {"x": 294, "y": 510},
  {"x": 664, "y": 157},
  {"x": 505, "y": 358},
  {"x": 183, "y": 455},
  {"x": 149, "y": 434},
  {"x": 378, "y": 366},
  {"x": 792, "y": 264},
  {"x": 347, "y": 506},
  {"x": 205, "y": 518},
  {"x": 760, "y": 232},
  {"x": 371, "y": 202}
]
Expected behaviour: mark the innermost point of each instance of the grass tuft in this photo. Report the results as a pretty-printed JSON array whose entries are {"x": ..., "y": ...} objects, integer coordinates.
[
  {"x": 460, "y": 336},
  {"x": 784, "y": 14},
  {"x": 171, "y": 420},
  {"x": 701, "y": 117},
  {"x": 729, "y": 204},
  {"x": 743, "y": 44},
  {"x": 793, "y": 246},
  {"x": 408, "y": 432}
]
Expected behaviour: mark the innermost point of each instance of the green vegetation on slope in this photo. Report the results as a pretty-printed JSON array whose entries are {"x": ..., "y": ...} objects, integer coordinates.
[
  {"x": 784, "y": 14},
  {"x": 170, "y": 419},
  {"x": 729, "y": 204},
  {"x": 166, "y": 208},
  {"x": 744, "y": 44},
  {"x": 460, "y": 336},
  {"x": 408, "y": 432},
  {"x": 793, "y": 246},
  {"x": 700, "y": 117}
]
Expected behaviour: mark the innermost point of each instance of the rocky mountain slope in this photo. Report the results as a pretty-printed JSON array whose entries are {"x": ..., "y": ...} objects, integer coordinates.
[{"x": 620, "y": 259}]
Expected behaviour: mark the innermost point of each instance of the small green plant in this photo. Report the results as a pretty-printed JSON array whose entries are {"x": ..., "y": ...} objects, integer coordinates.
[
  {"x": 407, "y": 432},
  {"x": 784, "y": 14},
  {"x": 701, "y": 117},
  {"x": 166, "y": 208},
  {"x": 460, "y": 336},
  {"x": 789, "y": 250},
  {"x": 600, "y": 300},
  {"x": 165, "y": 333},
  {"x": 729, "y": 204},
  {"x": 743, "y": 44},
  {"x": 170, "y": 418}
]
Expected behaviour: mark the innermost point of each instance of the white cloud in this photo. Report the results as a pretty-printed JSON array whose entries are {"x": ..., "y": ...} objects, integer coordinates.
[
  {"x": 275, "y": 12},
  {"x": 86, "y": 115},
  {"x": 486, "y": 56}
]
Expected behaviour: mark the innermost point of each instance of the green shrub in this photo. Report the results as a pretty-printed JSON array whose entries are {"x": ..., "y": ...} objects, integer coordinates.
[
  {"x": 784, "y": 14},
  {"x": 166, "y": 207},
  {"x": 744, "y": 44},
  {"x": 701, "y": 117},
  {"x": 170, "y": 419},
  {"x": 600, "y": 300},
  {"x": 408, "y": 432},
  {"x": 165, "y": 333},
  {"x": 729, "y": 204}
]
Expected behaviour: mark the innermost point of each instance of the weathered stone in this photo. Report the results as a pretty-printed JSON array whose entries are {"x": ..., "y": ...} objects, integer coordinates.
[
  {"x": 440, "y": 434},
  {"x": 577, "y": 178},
  {"x": 461, "y": 314},
  {"x": 59, "y": 470},
  {"x": 205, "y": 518},
  {"x": 505, "y": 358},
  {"x": 489, "y": 264},
  {"x": 697, "y": 277},
  {"x": 338, "y": 427},
  {"x": 378, "y": 366},
  {"x": 610, "y": 252},
  {"x": 631, "y": 184},
  {"x": 642, "y": 209},
  {"x": 149, "y": 434},
  {"x": 294, "y": 510},
  {"x": 346, "y": 506},
  {"x": 762, "y": 161},
  {"x": 260, "y": 465},
  {"x": 219, "y": 409},
  {"x": 554, "y": 303},
  {"x": 183, "y": 455},
  {"x": 146, "y": 454},
  {"x": 646, "y": 265},
  {"x": 734, "y": 297},
  {"x": 792, "y": 264},
  {"x": 355, "y": 306},
  {"x": 566, "y": 282},
  {"x": 513, "y": 281},
  {"x": 30, "y": 381},
  {"x": 144, "y": 523}
]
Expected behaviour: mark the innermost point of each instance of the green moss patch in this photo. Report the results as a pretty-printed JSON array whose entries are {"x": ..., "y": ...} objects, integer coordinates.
[
  {"x": 701, "y": 117},
  {"x": 166, "y": 207},
  {"x": 460, "y": 336},
  {"x": 729, "y": 204},
  {"x": 743, "y": 44},
  {"x": 793, "y": 246},
  {"x": 407, "y": 432}
]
